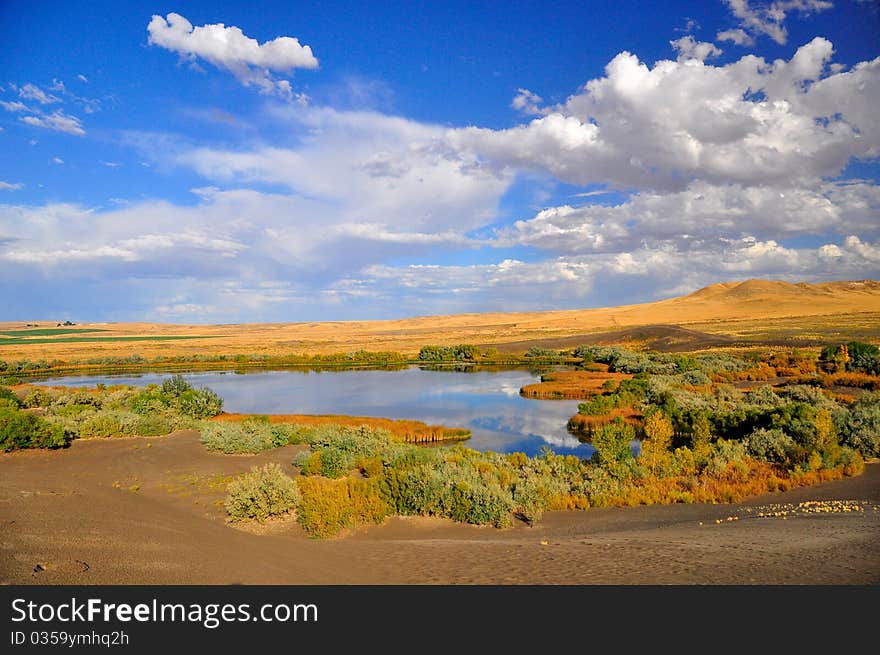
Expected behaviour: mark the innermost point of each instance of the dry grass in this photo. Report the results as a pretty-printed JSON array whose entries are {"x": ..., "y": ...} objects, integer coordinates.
[
  {"x": 585, "y": 425},
  {"x": 576, "y": 385},
  {"x": 406, "y": 430},
  {"x": 775, "y": 311}
]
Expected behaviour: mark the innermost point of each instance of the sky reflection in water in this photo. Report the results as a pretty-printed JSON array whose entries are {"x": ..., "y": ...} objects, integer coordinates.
[{"x": 486, "y": 402}]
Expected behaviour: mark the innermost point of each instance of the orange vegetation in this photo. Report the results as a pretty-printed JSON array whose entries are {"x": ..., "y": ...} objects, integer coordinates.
[
  {"x": 586, "y": 424},
  {"x": 739, "y": 481},
  {"x": 790, "y": 365},
  {"x": 579, "y": 385},
  {"x": 406, "y": 430},
  {"x": 761, "y": 372},
  {"x": 851, "y": 379}
]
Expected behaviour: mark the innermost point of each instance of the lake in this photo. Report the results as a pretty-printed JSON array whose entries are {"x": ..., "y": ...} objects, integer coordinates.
[{"x": 486, "y": 402}]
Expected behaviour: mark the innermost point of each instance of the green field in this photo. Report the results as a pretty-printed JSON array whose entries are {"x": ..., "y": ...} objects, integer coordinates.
[
  {"x": 48, "y": 332},
  {"x": 12, "y": 341}
]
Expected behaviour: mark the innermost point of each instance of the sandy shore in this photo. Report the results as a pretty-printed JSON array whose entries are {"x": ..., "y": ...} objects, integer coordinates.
[{"x": 148, "y": 511}]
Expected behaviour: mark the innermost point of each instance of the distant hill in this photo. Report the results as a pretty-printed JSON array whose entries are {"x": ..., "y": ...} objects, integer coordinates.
[
  {"x": 776, "y": 290},
  {"x": 728, "y": 314}
]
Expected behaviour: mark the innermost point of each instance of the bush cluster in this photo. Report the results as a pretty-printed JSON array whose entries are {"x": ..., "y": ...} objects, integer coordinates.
[
  {"x": 20, "y": 429},
  {"x": 252, "y": 435},
  {"x": 264, "y": 492},
  {"x": 115, "y": 410},
  {"x": 459, "y": 353}
]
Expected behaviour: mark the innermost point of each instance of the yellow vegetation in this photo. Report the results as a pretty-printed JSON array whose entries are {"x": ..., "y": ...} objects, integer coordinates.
[{"x": 405, "y": 430}]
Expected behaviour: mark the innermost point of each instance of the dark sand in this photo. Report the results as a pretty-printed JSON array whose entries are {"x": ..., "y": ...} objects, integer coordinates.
[{"x": 148, "y": 511}]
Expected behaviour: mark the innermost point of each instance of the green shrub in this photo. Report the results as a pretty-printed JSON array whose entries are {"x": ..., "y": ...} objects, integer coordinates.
[
  {"x": 262, "y": 493},
  {"x": 459, "y": 353},
  {"x": 724, "y": 453},
  {"x": 530, "y": 500},
  {"x": 480, "y": 504},
  {"x": 200, "y": 403},
  {"x": 851, "y": 461},
  {"x": 859, "y": 428},
  {"x": 770, "y": 445},
  {"x": 152, "y": 425},
  {"x": 612, "y": 444},
  {"x": 100, "y": 425},
  {"x": 20, "y": 429},
  {"x": 174, "y": 386},
  {"x": 37, "y": 397},
  {"x": 414, "y": 490},
  {"x": 149, "y": 401},
  {"x": 335, "y": 462},
  {"x": 8, "y": 394},
  {"x": 541, "y": 353},
  {"x": 287, "y": 433},
  {"x": 249, "y": 436}
]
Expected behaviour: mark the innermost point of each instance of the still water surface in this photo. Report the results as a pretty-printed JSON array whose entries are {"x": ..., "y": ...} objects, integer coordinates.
[{"x": 486, "y": 402}]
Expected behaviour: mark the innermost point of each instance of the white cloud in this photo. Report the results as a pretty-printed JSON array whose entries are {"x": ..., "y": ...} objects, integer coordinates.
[
  {"x": 57, "y": 160},
  {"x": 701, "y": 211},
  {"x": 14, "y": 106},
  {"x": 403, "y": 193},
  {"x": 58, "y": 235},
  {"x": 359, "y": 189},
  {"x": 689, "y": 26},
  {"x": 58, "y": 121},
  {"x": 527, "y": 102},
  {"x": 510, "y": 284},
  {"x": 583, "y": 280},
  {"x": 228, "y": 48},
  {"x": 33, "y": 92},
  {"x": 10, "y": 186},
  {"x": 727, "y": 170},
  {"x": 749, "y": 122},
  {"x": 398, "y": 174},
  {"x": 769, "y": 19},
  {"x": 737, "y": 36},
  {"x": 82, "y": 78},
  {"x": 870, "y": 252},
  {"x": 689, "y": 48}
]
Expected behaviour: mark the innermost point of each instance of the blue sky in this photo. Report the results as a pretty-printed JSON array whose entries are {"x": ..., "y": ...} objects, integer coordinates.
[{"x": 227, "y": 161}]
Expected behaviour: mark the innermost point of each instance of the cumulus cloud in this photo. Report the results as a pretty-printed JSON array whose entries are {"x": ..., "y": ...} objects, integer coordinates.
[
  {"x": 10, "y": 186},
  {"x": 749, "y": 122},
  {"x": 769, "y": 19},
  {"x": 689, "y": 48},
  {"x": 229, "y": 48},
  {"x": 699, "y": 212},
  {"x": 729, "y": 172}
]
